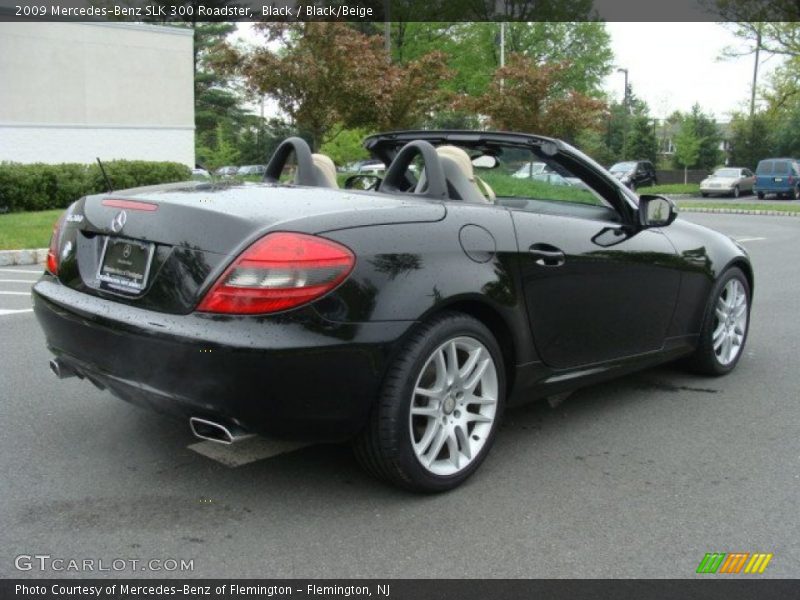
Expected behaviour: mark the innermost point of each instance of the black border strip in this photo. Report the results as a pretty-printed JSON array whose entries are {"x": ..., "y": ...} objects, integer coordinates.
[
  {"x": 711, "y": 588},
  {"x": 400, "y": 10}
]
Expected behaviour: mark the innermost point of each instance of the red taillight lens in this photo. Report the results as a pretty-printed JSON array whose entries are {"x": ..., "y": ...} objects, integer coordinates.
[
  {"x": 280, "y": 271},
  {"x": 52, "y": 251}
]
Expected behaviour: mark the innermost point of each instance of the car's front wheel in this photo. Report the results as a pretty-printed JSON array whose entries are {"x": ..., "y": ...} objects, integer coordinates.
[
  {"x": 725, "y": 325},
  {"x": 736, "y": 191},
  {"x": 439, "y": 408}
]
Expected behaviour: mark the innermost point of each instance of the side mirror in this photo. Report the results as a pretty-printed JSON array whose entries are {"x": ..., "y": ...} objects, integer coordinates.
[
  {"x": 656, "y": 211},
  {"x": 485, "y": 161},
  {"x": 362, "y": 182}
]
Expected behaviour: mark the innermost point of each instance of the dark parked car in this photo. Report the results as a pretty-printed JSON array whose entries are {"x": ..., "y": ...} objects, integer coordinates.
[
  {"x": 779, "y": 176},
  {"x": 635, "y": 174},
  {"x": 404, "y": 318}
]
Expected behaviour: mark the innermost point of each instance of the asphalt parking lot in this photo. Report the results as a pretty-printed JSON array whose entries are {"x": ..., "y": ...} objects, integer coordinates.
[{"x": 639, "y": 477}]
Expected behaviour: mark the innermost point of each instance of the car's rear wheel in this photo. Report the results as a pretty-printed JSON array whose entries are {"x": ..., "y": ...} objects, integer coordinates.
[
  {"x": 725, "y": 326},
  {"x": 760, "y": 195},
  {"x": 439, "y": 407}
]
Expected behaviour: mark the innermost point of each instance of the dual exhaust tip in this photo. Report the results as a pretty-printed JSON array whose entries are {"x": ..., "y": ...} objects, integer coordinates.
[
  {"x": 204, "y": 429},
  {"x": 61, "y": 369},
  {"x": 217, "y": 432}
]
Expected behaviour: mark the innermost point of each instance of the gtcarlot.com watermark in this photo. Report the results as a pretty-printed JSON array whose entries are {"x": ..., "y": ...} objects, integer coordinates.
[{"x": 57, "y": 564}]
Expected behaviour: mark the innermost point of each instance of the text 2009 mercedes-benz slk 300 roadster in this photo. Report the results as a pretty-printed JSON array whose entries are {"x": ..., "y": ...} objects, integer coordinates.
[{"x": 404, "y": 312}]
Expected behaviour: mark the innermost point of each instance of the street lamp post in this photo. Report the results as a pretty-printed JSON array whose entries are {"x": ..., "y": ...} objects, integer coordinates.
[
  {"x": 625, "y": 106},
  {"x": 625, "y": 97}
]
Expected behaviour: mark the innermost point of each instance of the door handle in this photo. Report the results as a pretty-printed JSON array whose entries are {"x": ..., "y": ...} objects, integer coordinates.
[{"x": 547, "y": 255}]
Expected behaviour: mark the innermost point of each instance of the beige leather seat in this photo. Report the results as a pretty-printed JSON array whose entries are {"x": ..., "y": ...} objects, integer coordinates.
[
  {"x": 468, "y": 186},
  {"x": 325, "y": 170}
]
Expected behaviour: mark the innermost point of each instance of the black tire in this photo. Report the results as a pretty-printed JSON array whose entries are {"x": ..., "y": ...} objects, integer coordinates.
[
  {"x": 384, "y": 448},
  {"x": 760, "y": 195},
  {"x": 704, "y": 360},
  {"x": 736, "y": 191},
  {"x": 704, "y": 194},
  {"x": 793, "y": 195}
]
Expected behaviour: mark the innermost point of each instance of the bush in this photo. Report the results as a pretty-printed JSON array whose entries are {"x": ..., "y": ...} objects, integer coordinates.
[{"x": 40, "y": 187}]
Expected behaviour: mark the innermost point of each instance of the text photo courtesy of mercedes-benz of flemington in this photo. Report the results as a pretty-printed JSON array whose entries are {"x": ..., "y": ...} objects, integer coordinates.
[{"x": 402, "y": 313}]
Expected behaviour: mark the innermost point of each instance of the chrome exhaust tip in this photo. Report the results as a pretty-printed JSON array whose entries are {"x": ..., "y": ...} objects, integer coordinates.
[
  {"x": 61, "y": 369},
  {"x": 217, "y": 432}
]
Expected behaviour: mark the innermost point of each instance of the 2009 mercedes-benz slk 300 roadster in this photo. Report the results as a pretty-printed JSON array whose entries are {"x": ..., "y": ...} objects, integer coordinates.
[{"x": 403, "y": 313}]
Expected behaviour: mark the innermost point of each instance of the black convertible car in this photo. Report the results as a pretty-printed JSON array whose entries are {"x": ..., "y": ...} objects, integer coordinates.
[{"x": 403, "y": 313}]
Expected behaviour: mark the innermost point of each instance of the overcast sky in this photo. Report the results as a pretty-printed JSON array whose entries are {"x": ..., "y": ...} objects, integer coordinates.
[{"x": 671, "y": 66}]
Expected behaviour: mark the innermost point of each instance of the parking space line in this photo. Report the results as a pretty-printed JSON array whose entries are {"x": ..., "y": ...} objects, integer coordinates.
[
  {"x": 21, "y": 271},
  {"x": 15, "y": 293},
  {"x": 18, "y": 281},
  {"x": 14, "y": 312},
  {"x": 749, "y": 239},
  {"x": 247, "y": 451}
]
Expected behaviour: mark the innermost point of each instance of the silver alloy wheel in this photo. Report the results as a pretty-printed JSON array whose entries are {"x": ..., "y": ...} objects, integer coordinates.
[
  {"x": 453, "y": 406},
  {"x": 730, "y": 322}
]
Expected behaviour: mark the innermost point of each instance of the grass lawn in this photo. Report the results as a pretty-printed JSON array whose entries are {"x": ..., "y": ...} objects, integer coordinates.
[
  {"x": 27, "y": 229},
  {"x": 671, "y": 188}
]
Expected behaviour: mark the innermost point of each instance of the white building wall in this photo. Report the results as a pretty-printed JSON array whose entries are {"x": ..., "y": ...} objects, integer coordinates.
[{"x": 70, "y": 92}]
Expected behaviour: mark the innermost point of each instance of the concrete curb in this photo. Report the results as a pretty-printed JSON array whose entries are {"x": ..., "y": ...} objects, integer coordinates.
[
  {"x": 35, "y": 256},
  {"x": 739, "y": 211}
]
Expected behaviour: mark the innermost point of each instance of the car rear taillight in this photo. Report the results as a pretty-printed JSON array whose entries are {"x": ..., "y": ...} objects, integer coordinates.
[
  {"x": 52, "y": 251},
  {"x": 282, "y": 270}
]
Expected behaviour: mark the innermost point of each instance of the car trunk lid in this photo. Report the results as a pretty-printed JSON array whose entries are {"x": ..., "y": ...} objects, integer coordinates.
[{"x": 188, "y": 233}]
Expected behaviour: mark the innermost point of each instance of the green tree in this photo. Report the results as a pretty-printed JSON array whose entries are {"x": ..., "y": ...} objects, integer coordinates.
[
  {"x": 687, "y": 147},
  {"x": 751, "y": 139},
  {"x": 224, "y": 151},
  {"x": 641, "y": 140},
  {"x": 524, "y": 96},
  {"x": 473, "y": 50},
  {"x": 345, "y": 146},
  {"x": 327, "y": 75},
  {"x": 707, "y": 132}
]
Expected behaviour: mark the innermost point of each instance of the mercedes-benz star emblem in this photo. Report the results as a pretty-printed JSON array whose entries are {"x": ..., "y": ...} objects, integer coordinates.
[{"x": 118, "y": 222}]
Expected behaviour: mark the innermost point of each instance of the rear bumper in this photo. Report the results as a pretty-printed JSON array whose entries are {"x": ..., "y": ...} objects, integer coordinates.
[
  {"x": 292, "y": 375},
  {"x": 774, "y": 190}
]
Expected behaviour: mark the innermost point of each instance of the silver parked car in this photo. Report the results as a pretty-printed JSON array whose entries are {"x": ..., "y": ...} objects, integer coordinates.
[
  {"x": 728, "y": 181},
  {"x": 251, "y": 170}
]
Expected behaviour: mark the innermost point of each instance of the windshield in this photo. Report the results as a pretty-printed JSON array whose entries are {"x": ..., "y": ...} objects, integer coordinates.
[
  {"x": 727, "y": 173},
  {"x": 773, "y": 167},
  {"x": 623, "y": 167}
]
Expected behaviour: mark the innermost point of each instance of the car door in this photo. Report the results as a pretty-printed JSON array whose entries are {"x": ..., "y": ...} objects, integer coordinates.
[
  {"x": 749, "y": 180},
  {"x": 593, "y": 292}
]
